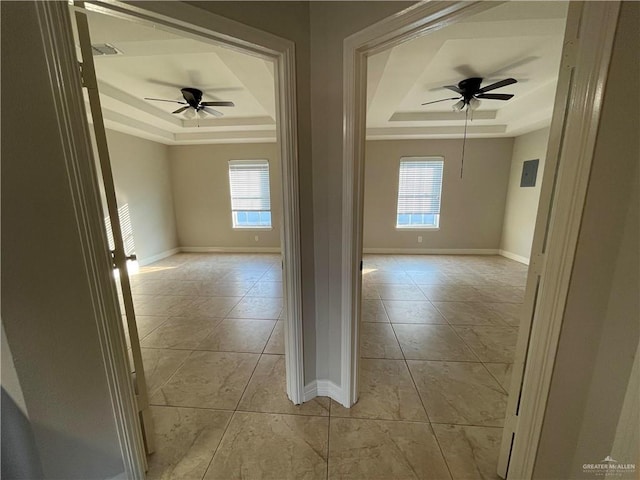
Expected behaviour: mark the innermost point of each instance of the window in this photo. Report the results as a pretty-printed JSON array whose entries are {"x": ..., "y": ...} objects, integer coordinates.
[
  {"x": 127, "y": 230},
  {"x": 419, "y": 190},
  {"x": 250, "y": 195},
  {"x": 127, "y": 238}
]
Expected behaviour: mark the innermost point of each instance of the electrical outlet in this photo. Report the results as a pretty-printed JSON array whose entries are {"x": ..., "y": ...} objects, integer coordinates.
[
  {"x": 256, "y": 238},
  {"x": 419, "y": 238}
]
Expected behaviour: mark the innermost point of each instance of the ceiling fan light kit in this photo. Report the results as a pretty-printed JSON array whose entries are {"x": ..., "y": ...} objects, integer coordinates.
[
  {"x": 471, "y": 92},
  {"x": 459, "y": 105}
]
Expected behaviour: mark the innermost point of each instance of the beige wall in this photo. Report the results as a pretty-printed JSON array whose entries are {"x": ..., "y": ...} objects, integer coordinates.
[
  {"x": 63, "y": 381},
  {"x": 522, "y": 202},
  {"x": 200, "y": 179},
  {"x": 472, "y": 207},
  {"x": 319, "y": 30},
  {"x": 142, "y": 177},
  {"x": 47, "y": 310},
  {"x": 601, "y": 325}
]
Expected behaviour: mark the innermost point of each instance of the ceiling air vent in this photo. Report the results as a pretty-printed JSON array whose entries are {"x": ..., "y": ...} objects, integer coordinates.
[{"x": 104, "y": 49}]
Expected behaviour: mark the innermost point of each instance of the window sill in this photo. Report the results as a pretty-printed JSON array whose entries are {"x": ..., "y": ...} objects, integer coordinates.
[
  {"x": 419, "y": 227},
  {"x": 253, "y": 227}
]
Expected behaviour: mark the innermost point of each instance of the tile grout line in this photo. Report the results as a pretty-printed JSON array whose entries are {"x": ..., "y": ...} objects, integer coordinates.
[
  {"x": 405, "y": 359},
  {"x": 444, "y": 459},
  {"x": 215, "y": 450},
  {"x": 192, "y": 351}
]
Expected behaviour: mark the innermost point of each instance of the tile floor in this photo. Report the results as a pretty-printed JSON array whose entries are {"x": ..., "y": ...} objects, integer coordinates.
[{"x": 438, "y": 334}]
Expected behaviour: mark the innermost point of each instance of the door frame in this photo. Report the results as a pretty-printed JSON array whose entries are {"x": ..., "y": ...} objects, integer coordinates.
[
  {"x": 576, "y": 131},
  {"x": 66, "y": 85}
]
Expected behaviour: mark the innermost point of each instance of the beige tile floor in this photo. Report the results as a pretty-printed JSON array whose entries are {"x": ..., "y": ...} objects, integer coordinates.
[{"x": 438, "y": 334}]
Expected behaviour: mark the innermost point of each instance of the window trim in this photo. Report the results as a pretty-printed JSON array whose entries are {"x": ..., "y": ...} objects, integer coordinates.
[{"x": 425, "y": 227}]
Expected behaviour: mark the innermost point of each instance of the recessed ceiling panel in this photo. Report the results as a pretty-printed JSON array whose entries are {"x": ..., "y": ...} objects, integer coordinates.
[
  {"x": 154, "y": 63},
  {"x": 522, "y": 40}
]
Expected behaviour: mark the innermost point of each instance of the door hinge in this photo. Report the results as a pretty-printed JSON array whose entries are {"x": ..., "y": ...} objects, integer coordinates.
[
  {"x": 81, "y": 70},
  {"x": 537, "y": 263},
  {"x": 361, "y": 265},
  {"x": 511, "y": 423},
  {"x": 569, "y": 54}
]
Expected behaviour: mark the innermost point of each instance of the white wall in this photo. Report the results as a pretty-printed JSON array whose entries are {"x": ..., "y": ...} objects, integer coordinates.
[
  {"x": 522, "y": 202},
  {"x": 142, "y": 177},
  {"x": 601, "y": 325},
  {"x": 200, "y": 178},
  {"x": 472, "y": 207}
]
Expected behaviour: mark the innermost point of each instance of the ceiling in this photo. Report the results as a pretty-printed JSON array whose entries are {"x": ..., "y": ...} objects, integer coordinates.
[
  {"x": 522, "y": 40},
  {"x": 156, "y": 63}
]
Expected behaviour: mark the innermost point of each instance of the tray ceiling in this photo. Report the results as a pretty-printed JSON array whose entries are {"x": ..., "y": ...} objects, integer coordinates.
[{"x": 522, "y": 40}]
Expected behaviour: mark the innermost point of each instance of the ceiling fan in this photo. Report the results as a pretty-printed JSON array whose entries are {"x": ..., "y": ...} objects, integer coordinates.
[
  {"x": 193, "y": 99},
  {"x": 471, "y": 93}
]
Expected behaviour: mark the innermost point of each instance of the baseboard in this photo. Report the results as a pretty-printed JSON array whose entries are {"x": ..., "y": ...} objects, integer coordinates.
[
  {"x": 121, "y": 476},
  {"x": 323, "y": 388},
  {"x": 154, "y": 258},
  {"x": 231, "y": 249},
  {"x": 513, "y": 256},
  {"x": 432, "y": 251}
]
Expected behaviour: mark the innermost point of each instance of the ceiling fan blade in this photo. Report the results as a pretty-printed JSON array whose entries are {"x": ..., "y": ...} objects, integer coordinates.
[
  {"x": 213, "y": 111},
  {"x": 181, "y": 109},
  {"x": 513, "y": 65},
  {"x": 441, "y": 100},
  {"x": 501, "y": 83},
  {"x": 495, "y": 96},
  {"x": 163, "y": 83},
  {"x": 466, "y": 71},
  {"x": 163, "y": 100},
  {"x": 189, "y": 97},
  {"x": 217, "y": 104},
  {"x": 454, "y": 88}
]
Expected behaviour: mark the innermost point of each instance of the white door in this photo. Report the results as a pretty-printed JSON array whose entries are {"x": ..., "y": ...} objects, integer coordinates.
[
  {"x": 559, "y": 183},
  {"x": 119, "y": 254}
]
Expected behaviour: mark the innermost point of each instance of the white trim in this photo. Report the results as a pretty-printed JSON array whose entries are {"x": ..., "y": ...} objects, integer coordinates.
[
  {"x": 66, "y": 93},
  {"x": 513, "y": 256},
  {"x": 324, "y": 388},
  {"x": 431, "y": 251},
  {"x": 157, "y": 257},
  {"x": 401, "y": 27},
  {"x": 589, "y": 57},
  {"x": 230, "y": 249}
]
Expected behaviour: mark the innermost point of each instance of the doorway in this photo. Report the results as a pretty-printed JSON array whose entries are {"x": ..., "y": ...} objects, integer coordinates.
[
  {"x": 576, "y": 72},
  {"x": 228, "y": 303},
  {"x": 439, "y": 302}
]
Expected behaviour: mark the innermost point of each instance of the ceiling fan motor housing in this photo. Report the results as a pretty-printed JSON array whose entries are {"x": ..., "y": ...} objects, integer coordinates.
[
  {"x": 192, "y": 96},
  {"x": 469, "y": 87}
]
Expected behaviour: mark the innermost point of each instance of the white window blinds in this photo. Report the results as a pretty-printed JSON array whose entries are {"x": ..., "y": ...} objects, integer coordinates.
[
  {"x": 250, "y": 194},
  {"x": 125, "y": 226},
  {"x": 419, "y": 191}
]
